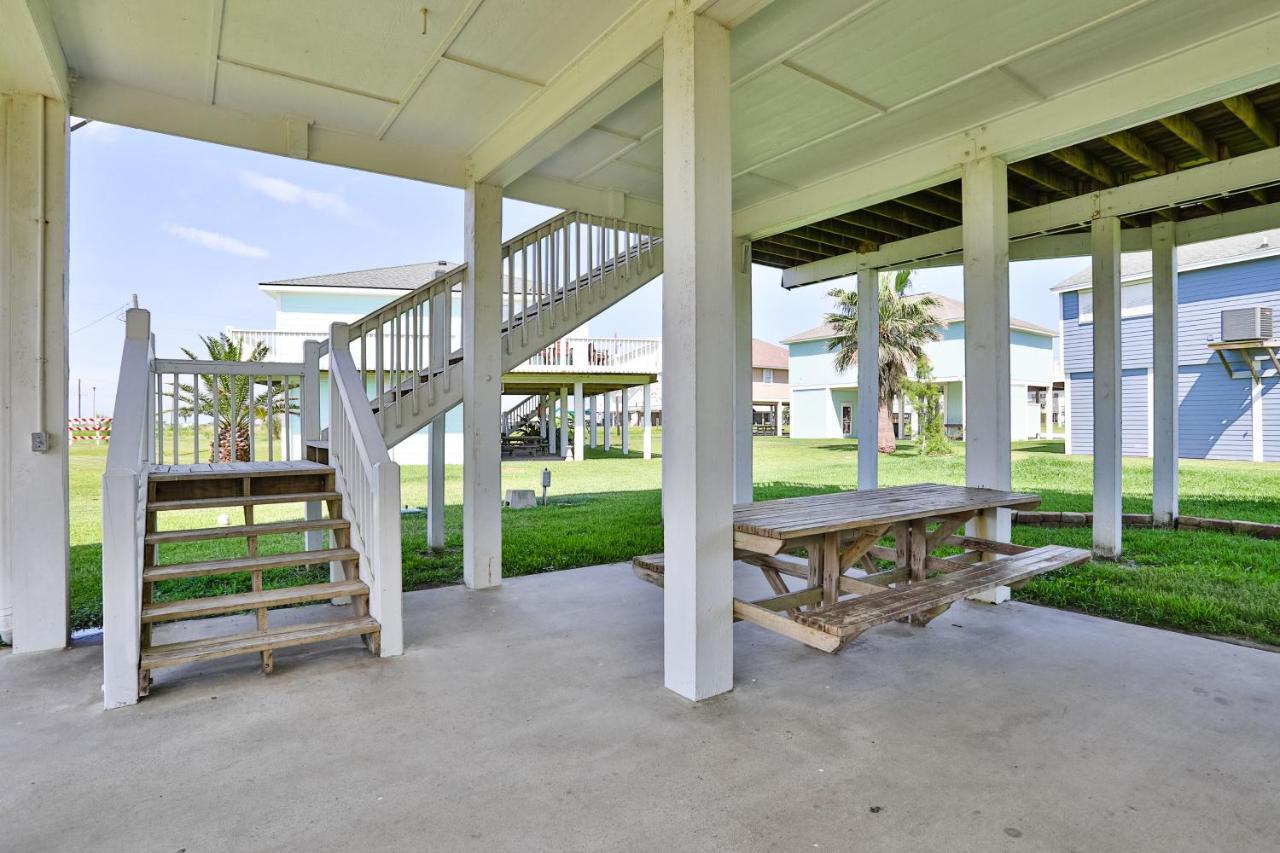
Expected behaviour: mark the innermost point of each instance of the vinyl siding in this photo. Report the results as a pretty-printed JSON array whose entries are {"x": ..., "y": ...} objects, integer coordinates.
[
  {"x": 1133, "y": 417},
  {"x": 1214, "y": 420},
  {"x": 1081, "y": 418}
]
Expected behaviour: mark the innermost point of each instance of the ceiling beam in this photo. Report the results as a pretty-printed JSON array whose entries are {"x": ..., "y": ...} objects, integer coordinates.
[
  {"x": 866, "y": 219},
  {"x": 31, "y": 58},
  {"x": 213, "y": 50},
  {"x": 1045, "y": 177},
  {"x": 1183, "y": 127},
  {"x": 1085, "y": 163},
  {"x": 932, "y": 203},
  {"x": 906, "y": 215},
  {"x": 1214, "y": 180},
  {"x": 1215, "y": 69},
  {"x": 1130, "y": 145},
  {"x": 1243, "y": 107}
]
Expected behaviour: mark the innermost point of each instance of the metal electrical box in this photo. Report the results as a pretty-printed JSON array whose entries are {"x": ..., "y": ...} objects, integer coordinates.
[{"x": 1247, "y": 324}]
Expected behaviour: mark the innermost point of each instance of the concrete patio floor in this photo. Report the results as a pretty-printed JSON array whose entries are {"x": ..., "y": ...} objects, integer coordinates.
[{"x": 532, "y": 717}]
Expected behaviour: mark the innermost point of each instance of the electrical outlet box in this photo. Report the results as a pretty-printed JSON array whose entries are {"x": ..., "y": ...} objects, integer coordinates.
[{"x": 39, "y": 442}]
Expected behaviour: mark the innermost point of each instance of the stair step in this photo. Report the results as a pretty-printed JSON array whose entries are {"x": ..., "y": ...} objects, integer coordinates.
[
  {"x": 241, "y": 500},
  {"x": 199, "y": 534},
  {"x": 169, "y": 611},
  {"x": 210, "y": 648},
  {"x": 151, "y": 574},
  {"x": 224, "y": 470}
]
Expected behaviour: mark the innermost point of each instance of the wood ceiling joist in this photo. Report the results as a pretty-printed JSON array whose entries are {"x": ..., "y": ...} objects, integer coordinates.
[
  {"x": 906, "y": 215},
  {"x": 936, "y": 205},
  {"x": 1183, "y": 127},
  {"x": 828, "y": 239},
  {"x": 1085, "y": 163},
  {"x": 1132, "y": 146},
  {"x": 840, "y": 231},
  {"x": 1051, "y": 179},
  {"x": 793, "y": 248},
  {"x": 1243, "y": 108},
  {"x": 950, "y": 191},
  {"x": 862, "y": 219}
]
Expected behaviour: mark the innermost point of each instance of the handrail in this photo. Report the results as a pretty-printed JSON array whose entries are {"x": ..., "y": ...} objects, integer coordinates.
[
  {"x": 370, "y": 485},
  {"x": 124, "y": 486}
]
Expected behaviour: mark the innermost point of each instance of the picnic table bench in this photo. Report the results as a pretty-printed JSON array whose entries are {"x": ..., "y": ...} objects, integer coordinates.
[
  {"x": 525, "y": 446},
  {"x": 842, "y": 533}
]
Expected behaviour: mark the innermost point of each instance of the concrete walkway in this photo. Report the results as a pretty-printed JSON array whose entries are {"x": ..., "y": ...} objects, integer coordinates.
[{"x": 532, "y": 717}]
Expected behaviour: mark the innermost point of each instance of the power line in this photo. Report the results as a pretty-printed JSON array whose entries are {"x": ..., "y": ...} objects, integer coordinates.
[{"x": 114, "y": 312}]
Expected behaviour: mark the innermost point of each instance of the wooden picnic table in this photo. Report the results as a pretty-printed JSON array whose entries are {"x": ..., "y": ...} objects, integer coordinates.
[{"x": 852, "y": 580}]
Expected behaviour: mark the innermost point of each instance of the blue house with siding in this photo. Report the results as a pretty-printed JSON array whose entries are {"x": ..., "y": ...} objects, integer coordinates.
[
  {"x": 1219, "y": 417},
  {"x": 824, "y": 401}
]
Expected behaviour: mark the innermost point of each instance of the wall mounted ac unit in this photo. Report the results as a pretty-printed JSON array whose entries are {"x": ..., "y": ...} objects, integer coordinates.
[{"x": 1247, "y": 324}]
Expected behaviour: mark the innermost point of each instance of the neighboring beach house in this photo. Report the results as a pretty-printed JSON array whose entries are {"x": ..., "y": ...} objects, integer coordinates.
[
  {"x": 1221, "y": 414},
  {"x": 824, "y": 401}
]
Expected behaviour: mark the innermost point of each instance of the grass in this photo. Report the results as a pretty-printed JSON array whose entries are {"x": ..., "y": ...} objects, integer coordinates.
[{"x": 608, "y": 510}]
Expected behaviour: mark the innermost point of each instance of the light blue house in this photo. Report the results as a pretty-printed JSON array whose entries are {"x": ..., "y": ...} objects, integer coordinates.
[
  {"x": 1219, "y": 417},
  {"x": 824, "y": 401}
]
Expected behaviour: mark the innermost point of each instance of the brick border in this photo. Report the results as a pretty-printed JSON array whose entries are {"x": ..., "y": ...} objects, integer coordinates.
[{"x": 1255, "y": 529}]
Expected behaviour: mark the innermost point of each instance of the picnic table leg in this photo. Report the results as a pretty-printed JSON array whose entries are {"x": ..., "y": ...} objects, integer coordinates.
[
  {"x": 814, "y": 551},
  {"x": 831, "y": 568},
  {"x": 987, "y": 525}
]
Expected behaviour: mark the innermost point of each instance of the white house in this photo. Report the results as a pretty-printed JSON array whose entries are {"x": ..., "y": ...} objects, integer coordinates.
[{"x": 824, "y": 401}]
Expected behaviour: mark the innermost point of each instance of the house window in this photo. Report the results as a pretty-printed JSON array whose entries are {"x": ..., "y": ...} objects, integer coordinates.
[
  {"x": 1135, "y": 301},
  {"x": 768, "y": 376}
]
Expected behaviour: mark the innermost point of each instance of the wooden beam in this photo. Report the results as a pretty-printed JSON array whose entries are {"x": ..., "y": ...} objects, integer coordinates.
[
  {"x": 906, "y": 215},
  {"x": 1189, "y": 132},
  {"x": 1130, "y": 145},
  {"x": 931, "y": 204},
  {"x": 1243, "y": 108},
  {"x": 1084, "y": 162},
  {"x": 863, "y": 219},
  {"x": 1046, "y": 177}
]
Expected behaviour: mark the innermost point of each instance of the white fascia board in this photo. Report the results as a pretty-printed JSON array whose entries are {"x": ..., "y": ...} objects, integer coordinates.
[
  {"x": 1225, "y": 66},
  {"x": 553, "y": 192},
  {"x": 31, "y": 58},
  {"x": 1037, "y": 223},
  {"x": 125, "y": 105}
]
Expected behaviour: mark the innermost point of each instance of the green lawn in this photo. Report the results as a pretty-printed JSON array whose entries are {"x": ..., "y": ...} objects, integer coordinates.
[{"x": 607, "y": 510}]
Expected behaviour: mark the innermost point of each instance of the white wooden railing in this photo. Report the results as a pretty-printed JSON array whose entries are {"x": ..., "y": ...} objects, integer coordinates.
[
  {"x": 233, "y": 399},
  {"x": 520, "y": 412},
  {"x": 598, "y": 355},
  {"x": 124, "y": 491},
  {"x": 370, "y": 485},
  {"x": 409, "y": 350},
  {"x": 282, "y": 344}
]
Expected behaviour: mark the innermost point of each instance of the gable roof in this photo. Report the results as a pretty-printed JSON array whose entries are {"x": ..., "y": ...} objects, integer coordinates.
[
  {"x": 948, "y": 311},
  {"x": 1210, "y": 253},
  {"x": 405, "y": 277},
  {"x": 766, "y": 354}
]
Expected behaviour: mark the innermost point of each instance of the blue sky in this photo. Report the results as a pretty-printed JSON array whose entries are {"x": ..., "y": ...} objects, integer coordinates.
[{"x": 192, "y": 228}]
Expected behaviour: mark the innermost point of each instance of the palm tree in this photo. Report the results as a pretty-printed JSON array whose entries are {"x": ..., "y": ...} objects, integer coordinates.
[
  {"x": 907, "y": 323},
  {"x": 233, "y": 402}
]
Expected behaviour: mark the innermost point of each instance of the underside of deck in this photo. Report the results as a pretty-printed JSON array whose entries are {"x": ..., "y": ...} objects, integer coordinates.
[{"x": 519, "y": 714}]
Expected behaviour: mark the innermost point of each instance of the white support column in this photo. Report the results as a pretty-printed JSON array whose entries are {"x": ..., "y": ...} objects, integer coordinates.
[
  {"x": 624, "y": 417},
  {"x": 34, "y": 544},
  {"x": 309, "y": 417},
  {"x": 1106, "y": 387},
  {"x": 988, "y": 403},
  {"x": 648, "y": 421},
  {"x": 579, "y": 422},
  {"x": 608, "y": 423},
  {"x": 1255, "y": 409},
  {"x": 591, "y": 421},
  {"x": 435, "y": 482},
  {"x": 868, "y": 378},
  {"x": 777, "y": 418},
  {"x": 565, "y": 448},
  {"x": 697, "y": 463},
  {"x": 482, "y": 389},
  {"x": 743, "y": 490}
]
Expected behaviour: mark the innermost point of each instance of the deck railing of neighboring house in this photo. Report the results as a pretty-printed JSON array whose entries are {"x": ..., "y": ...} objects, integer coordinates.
[
  {"x": 282, "y": 345},
  {"x": 520, "y": 412},
  {"x": 370, "y": 485},
  {"x": 600, "y": 355}
]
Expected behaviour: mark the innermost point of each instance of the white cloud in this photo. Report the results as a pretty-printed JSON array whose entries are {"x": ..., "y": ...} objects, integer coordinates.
[
  {"x": 217, "y": 242},
  {"x": 287, "y": 192}
]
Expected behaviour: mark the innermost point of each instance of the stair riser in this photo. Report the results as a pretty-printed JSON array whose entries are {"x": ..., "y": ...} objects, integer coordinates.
[
  {"x": 211, "y": 609},
  {"x": 158, "y": 574},
  {"x": 194, "y": 654},
  {"x": 226, "y": 487},
  {"x": 206, "y": 534}
]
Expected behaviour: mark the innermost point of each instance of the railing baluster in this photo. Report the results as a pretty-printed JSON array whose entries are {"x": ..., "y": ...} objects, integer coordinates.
[
  {"x": 251, "y": 410},
  {"x": 195, "y": 418},
  {"x": 378, "y": 379},
  {"x": 271, "y": 418}
]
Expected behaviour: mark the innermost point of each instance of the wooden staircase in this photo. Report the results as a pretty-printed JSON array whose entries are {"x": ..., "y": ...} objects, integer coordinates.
[{"x": 246, "y": 485}]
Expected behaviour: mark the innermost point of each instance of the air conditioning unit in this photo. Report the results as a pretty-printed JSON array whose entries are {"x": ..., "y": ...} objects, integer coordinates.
[{"x": 1247, "y": 324}]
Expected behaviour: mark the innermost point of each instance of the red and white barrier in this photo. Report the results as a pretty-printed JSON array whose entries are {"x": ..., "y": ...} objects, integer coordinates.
[{"x": 96, "y": 430}]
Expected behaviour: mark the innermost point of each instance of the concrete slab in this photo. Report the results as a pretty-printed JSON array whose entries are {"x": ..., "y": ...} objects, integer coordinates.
[{"x": 532, "y": 717}]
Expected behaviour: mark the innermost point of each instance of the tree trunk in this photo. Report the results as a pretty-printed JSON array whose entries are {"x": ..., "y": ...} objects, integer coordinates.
[
  {"x": 886, "y": 443},
  {"x": 223, "y": 452}
]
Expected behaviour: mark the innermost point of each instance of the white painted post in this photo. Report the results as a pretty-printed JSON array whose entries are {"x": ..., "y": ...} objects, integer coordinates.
[
  {"x": 579, "y": 422},
  {"x": 315, "y": 540},
  {"x": 698, "y": 368},
  {"x": 34, "y": 541},
  {"x": 1164, "y": 373},
  {"x": 1255, "y": 410},
  {"x": 741, "y": 417},
  {"x": 1106, "y": 387},
  {"x": 565, "y": 448},
  {"x": 868, "y": 378},
  {"x": 624, "y": 416},
  {"x": 482, "y": 389},
  {"x": 608, "y": 423},
  {"x": 591, "y": 421},
  {"x": 435, "y": 482},
  {"x": 988, "y": 403},
  {"x": 777, "y": 419},
  {"x": 648, "y": 421},
  {"x": 543, "y": 416}
]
